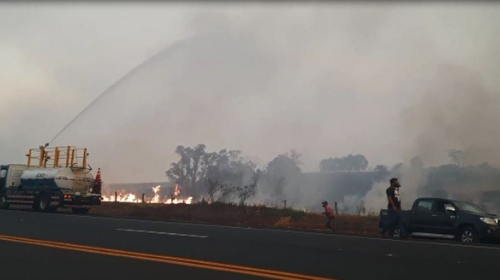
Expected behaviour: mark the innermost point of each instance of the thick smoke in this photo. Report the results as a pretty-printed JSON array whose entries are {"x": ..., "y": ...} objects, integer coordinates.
[
  {"x": 263, "y": 83},
  {"x": 315, "y": 74},
  {"x": 456, "y": 111}
]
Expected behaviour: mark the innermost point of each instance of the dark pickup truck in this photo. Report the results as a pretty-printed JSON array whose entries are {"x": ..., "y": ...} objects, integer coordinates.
[{"x": 447, "y": 219}]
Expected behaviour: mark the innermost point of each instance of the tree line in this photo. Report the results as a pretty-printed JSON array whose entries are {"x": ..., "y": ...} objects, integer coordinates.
[{"x": 227, "y": 175}]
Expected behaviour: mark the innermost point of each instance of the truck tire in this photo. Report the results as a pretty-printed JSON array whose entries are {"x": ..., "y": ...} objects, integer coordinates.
[
  {"x": 41, "y": 203},
  {"x": 3, "y": 203},
  {"x": 467, "y": 235},
  {"x": 80, "y": 210}
]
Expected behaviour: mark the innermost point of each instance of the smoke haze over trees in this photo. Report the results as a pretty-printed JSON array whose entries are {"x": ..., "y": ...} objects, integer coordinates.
[
  {"x": 389, "y": 82},
  {"x": 229, "y": 177},
  {"x": 348, "y": 163}
]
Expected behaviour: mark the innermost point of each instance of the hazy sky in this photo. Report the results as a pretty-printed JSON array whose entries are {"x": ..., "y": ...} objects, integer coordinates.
[{"x": 384, "y": 80}]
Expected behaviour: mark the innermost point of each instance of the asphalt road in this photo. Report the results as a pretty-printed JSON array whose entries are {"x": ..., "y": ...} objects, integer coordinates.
[{"x": 104, "y": 248}]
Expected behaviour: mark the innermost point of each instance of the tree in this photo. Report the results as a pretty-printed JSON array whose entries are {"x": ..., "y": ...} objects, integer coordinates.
[
  {"x": 329, "y": 165},
  {"x": 397, "y": 168},
  {"x": 213, "y": 187},
  {"x": 226, "y": 193},
  {"x": 417, "y": 163},
  {"x": 221, "y": 192},
  {"x": 229, "y": 167},
  {"x": 355, "y": 163},
  {"x": 283, "y": 165},
  {"x": 347, "y": 163},
  {"x": 246, "y": 192},
  {"x": 279, "y": 170},
  {"x": 457, "y": 157},
  {"x": 187, "y": 171},
  {"x": 381, "y": 172},
  {"x": 295, "y": 156},
  {"x": 219, "y": 174}
]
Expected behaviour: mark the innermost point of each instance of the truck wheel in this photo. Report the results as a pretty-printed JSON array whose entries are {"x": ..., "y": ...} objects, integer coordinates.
[
  {"x": 80, "y": 210},
  {"x": 42, "y": 204},
  {"x": 396, "y": 233},
  {"x": 3, "y": 203},
  {"x": 468, "y": 235}
]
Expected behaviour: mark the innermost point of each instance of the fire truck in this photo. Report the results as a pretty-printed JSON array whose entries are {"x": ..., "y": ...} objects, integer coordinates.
[{"x": 52, "y": 178}]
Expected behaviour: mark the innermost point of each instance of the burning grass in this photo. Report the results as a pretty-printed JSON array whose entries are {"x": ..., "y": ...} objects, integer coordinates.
[{"x": 234, "y": 215}]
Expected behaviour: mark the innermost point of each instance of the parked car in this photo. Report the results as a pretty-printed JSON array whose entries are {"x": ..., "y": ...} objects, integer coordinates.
[{"x": 447, "y": 219}]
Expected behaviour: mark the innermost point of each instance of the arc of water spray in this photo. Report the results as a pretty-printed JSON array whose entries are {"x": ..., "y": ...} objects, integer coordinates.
[{"x": 117, "y": 83}]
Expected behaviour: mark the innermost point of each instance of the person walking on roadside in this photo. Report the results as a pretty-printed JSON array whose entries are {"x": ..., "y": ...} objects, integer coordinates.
[
  {"x": 394, "y": 209},
  {"x": 330, "y": 217}
]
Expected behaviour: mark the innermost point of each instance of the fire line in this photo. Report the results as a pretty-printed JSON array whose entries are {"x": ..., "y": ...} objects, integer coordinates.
[{"x": 134, "y": 198}]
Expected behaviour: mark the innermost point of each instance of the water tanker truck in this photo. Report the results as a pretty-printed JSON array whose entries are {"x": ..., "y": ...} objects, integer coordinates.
[{"x": 52, "y": 178}]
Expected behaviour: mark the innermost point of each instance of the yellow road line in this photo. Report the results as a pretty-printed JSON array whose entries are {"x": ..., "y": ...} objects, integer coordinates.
[{"x": 166, "y": 259}]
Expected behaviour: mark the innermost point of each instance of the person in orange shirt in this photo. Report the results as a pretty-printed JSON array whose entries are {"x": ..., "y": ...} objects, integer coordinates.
[{"x": 330, "y": 223}]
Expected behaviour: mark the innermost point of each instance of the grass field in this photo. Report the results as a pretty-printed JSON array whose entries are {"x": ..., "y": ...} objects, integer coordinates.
[{"x": 233, "y": 215}]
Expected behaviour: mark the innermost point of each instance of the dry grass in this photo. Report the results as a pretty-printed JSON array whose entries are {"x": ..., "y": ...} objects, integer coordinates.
[{"x": 233, "y": 215}]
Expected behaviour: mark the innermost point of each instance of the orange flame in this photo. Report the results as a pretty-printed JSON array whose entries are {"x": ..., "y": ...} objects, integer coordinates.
[{"x": 133, "y": 198}]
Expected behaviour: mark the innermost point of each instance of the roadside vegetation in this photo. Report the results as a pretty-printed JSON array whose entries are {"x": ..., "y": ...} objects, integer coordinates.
[{"x": 228, "y": 214}]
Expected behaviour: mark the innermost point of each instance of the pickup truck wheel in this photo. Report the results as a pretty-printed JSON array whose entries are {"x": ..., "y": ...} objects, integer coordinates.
[
  {"x": 468, "y": 235},
  {"x": 80, "y": 210},
  {"x": 396, "y": 233},
  {"x": 3, "y": 203}
]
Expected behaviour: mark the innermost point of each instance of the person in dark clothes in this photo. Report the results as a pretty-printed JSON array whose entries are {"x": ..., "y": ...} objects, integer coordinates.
[{"x": 394, "y": 209}]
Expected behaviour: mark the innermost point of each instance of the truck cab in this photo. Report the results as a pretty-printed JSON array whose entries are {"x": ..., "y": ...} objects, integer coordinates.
[{"x": 448, "y": 219}]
